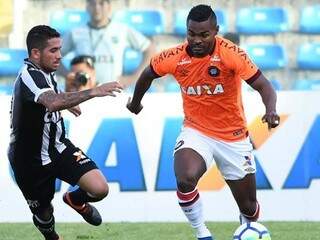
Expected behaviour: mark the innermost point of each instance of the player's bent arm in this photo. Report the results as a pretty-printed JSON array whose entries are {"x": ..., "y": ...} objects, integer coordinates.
[
  {"x": 266, "y": 91},
  {"x": 143, "y": 84},
  {"x": 56, "y": 102}
]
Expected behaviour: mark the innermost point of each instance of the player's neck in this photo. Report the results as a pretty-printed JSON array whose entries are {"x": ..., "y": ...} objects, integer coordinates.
[
  {"x": 34, "y": 62},
  {"x": 100, "y": 24}
]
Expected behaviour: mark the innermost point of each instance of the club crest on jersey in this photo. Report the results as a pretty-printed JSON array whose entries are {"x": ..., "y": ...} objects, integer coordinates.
[{"x": 213, "y": 71}]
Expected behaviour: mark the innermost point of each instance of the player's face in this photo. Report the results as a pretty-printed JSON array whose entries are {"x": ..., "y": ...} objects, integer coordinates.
[
  {"x": 50, "y": 56},
  {"x": 99, "y": 10},
  {"x": 200, "y": 37}
]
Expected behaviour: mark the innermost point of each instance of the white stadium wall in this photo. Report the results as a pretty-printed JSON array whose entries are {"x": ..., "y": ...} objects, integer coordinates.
[{"x": 135, "y": 152}]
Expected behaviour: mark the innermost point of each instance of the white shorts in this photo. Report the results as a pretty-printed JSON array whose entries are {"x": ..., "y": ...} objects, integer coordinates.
[{"x": 234, "y": 159}]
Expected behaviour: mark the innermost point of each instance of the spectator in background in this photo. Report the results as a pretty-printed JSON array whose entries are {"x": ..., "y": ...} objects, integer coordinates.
[
  {"x": 233, "y": 37},
  {"x": 82, "y": 75},
  {"x": 107, "y": 40}
]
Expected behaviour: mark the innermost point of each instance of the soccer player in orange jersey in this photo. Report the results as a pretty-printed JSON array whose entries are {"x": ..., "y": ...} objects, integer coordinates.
[{"x": 210, "y": 70}]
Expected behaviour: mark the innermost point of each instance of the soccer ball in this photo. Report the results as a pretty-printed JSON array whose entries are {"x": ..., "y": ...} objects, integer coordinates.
[{"x": 251, "y": 231}]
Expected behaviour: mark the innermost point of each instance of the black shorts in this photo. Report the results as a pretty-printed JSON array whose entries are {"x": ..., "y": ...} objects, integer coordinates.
[{"x": 37, "y": 183}]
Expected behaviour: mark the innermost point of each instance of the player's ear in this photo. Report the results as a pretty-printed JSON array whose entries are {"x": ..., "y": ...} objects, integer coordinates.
[{"x": 217, "y": 28}]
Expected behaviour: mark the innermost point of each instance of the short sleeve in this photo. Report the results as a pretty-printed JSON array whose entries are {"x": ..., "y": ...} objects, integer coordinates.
[
  {"x": 166, "y": 61},
  {"x": 242, "y": 64},
  {"x": 35, "y": 84}
]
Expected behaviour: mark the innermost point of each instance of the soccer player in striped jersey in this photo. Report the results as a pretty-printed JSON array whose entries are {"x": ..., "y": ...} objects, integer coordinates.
[
  {"x": 210, "y": 71},
  {"x": 39, "y": 151}
]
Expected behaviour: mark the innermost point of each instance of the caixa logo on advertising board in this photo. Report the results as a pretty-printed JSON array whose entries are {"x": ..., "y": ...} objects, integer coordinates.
[{"x": 129, "y": 174}]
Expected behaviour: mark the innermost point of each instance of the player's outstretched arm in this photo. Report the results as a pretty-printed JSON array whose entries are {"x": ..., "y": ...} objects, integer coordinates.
[
  {"x": 269, "y": 98},
  {"x": 56, "y": 102},
  {"x": 142, "y": 85}
]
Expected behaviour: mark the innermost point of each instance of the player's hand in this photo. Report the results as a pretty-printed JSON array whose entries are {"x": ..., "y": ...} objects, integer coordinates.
[
  {"x": 107, "y": 89},
  {"x": 75, "y": 110},
  {"x": 134, "y": 108},
  {"x": 272, "y": 119}
]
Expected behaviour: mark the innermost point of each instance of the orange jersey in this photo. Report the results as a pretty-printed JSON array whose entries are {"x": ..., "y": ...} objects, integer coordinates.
[{"x": 211, "y": 87}]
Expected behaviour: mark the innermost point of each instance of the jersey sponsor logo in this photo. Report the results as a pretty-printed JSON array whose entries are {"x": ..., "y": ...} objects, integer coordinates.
[
  {"x": 203, "y": 89},
  {"x": 167, "y": 54},
  {"x": 52, "y": 117},
  {"x": 184, "y": 61},
  {"x": 178, "y": 145},
  {"x": 213, "y": 71},
  {"x": 215, "y": 58},
  {"x": 238, "y": 132},
  {"x": 80, "y": 157},
  {"x": 234, "y": 48}
]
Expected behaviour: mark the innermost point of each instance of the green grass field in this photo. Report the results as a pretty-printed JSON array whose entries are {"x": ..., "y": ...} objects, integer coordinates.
[{"x": 156, "y": 231}]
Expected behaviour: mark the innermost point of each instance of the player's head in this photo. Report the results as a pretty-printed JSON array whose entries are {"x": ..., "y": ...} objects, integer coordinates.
[
  {"x": 201, "y": 30},
  {"x": 44, "y": 45},
  {"x": 99, "y": 11}
]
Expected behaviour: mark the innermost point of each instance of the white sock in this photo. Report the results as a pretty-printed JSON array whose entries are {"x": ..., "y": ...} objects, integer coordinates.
[{"x": 191, "y": 205}]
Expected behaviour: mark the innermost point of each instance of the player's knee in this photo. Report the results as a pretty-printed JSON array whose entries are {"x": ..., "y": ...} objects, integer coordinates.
[
  {"x": 44, "y": 213},
  {"x": 100, "y": 190},
  {"x": 186, "y": 183}
]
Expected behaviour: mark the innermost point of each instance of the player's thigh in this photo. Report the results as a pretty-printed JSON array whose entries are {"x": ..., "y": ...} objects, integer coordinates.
[
  {"x": 37, "y": 184},
  {"x": 192, "y": 154},
  {"x": 73, "y": 164},
  {"x": 94, "y": 182},
  {"x": 234, "y": 159}
]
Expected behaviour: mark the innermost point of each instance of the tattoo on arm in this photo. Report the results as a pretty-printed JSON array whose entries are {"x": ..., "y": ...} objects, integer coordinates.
[{"x": 55, "y": 102}]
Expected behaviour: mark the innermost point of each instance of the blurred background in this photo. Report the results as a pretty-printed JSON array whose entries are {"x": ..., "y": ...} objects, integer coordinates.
[
  {"x": 282, "y": 37},
  {"x": 135, "y": 152}
]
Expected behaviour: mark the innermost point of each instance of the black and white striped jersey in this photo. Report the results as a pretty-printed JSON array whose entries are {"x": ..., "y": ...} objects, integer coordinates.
[{"x": 37, "y": 135}]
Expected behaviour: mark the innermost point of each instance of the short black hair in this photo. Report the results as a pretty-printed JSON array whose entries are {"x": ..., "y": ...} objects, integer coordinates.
[
  {"x": 39, "y": 35},
  {"x": 87, "y": 59},
  {"x": 201, "y": 13}
]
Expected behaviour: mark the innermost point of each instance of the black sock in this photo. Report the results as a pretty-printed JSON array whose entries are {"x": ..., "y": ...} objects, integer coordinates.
[
  {"x": 79, "y": 197},
  {"x": 46, "y": 227}
]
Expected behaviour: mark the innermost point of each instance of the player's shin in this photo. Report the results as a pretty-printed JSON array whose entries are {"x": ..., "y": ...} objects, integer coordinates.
[
  {"x": 191, "y": 205},
  {"x": 46, "y": 227},
  {"x": 245, "y": 218}
]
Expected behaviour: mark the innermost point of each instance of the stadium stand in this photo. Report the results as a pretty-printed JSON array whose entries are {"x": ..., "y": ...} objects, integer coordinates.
[
  {"x": 308, "y": 57},
  {"x": 267, "y": 56},
  {"x": 310, "y": 20},
  {"x": 276, "y": 84},
  {"x": 180, "y": 16},
  {"x": 132, "y": 60},
  {"x": 6, "y": 89},
  {"x": 11, "y": 61},
  {"x": 258, "y": 20},
  {"x": 272, "y": 28},
  {"x": 67, "y": 19},
  {"x": 6, "y": 16},
  {"x": 307, "y": 84},
  {"x": 171, "y": 86},
  {"x": 148, "y": 22}
]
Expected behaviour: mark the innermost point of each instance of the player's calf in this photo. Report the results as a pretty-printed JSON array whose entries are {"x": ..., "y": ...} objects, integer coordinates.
[
  {"x": 89, "y": 213},
  {"x": 44, "y": 221}
]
